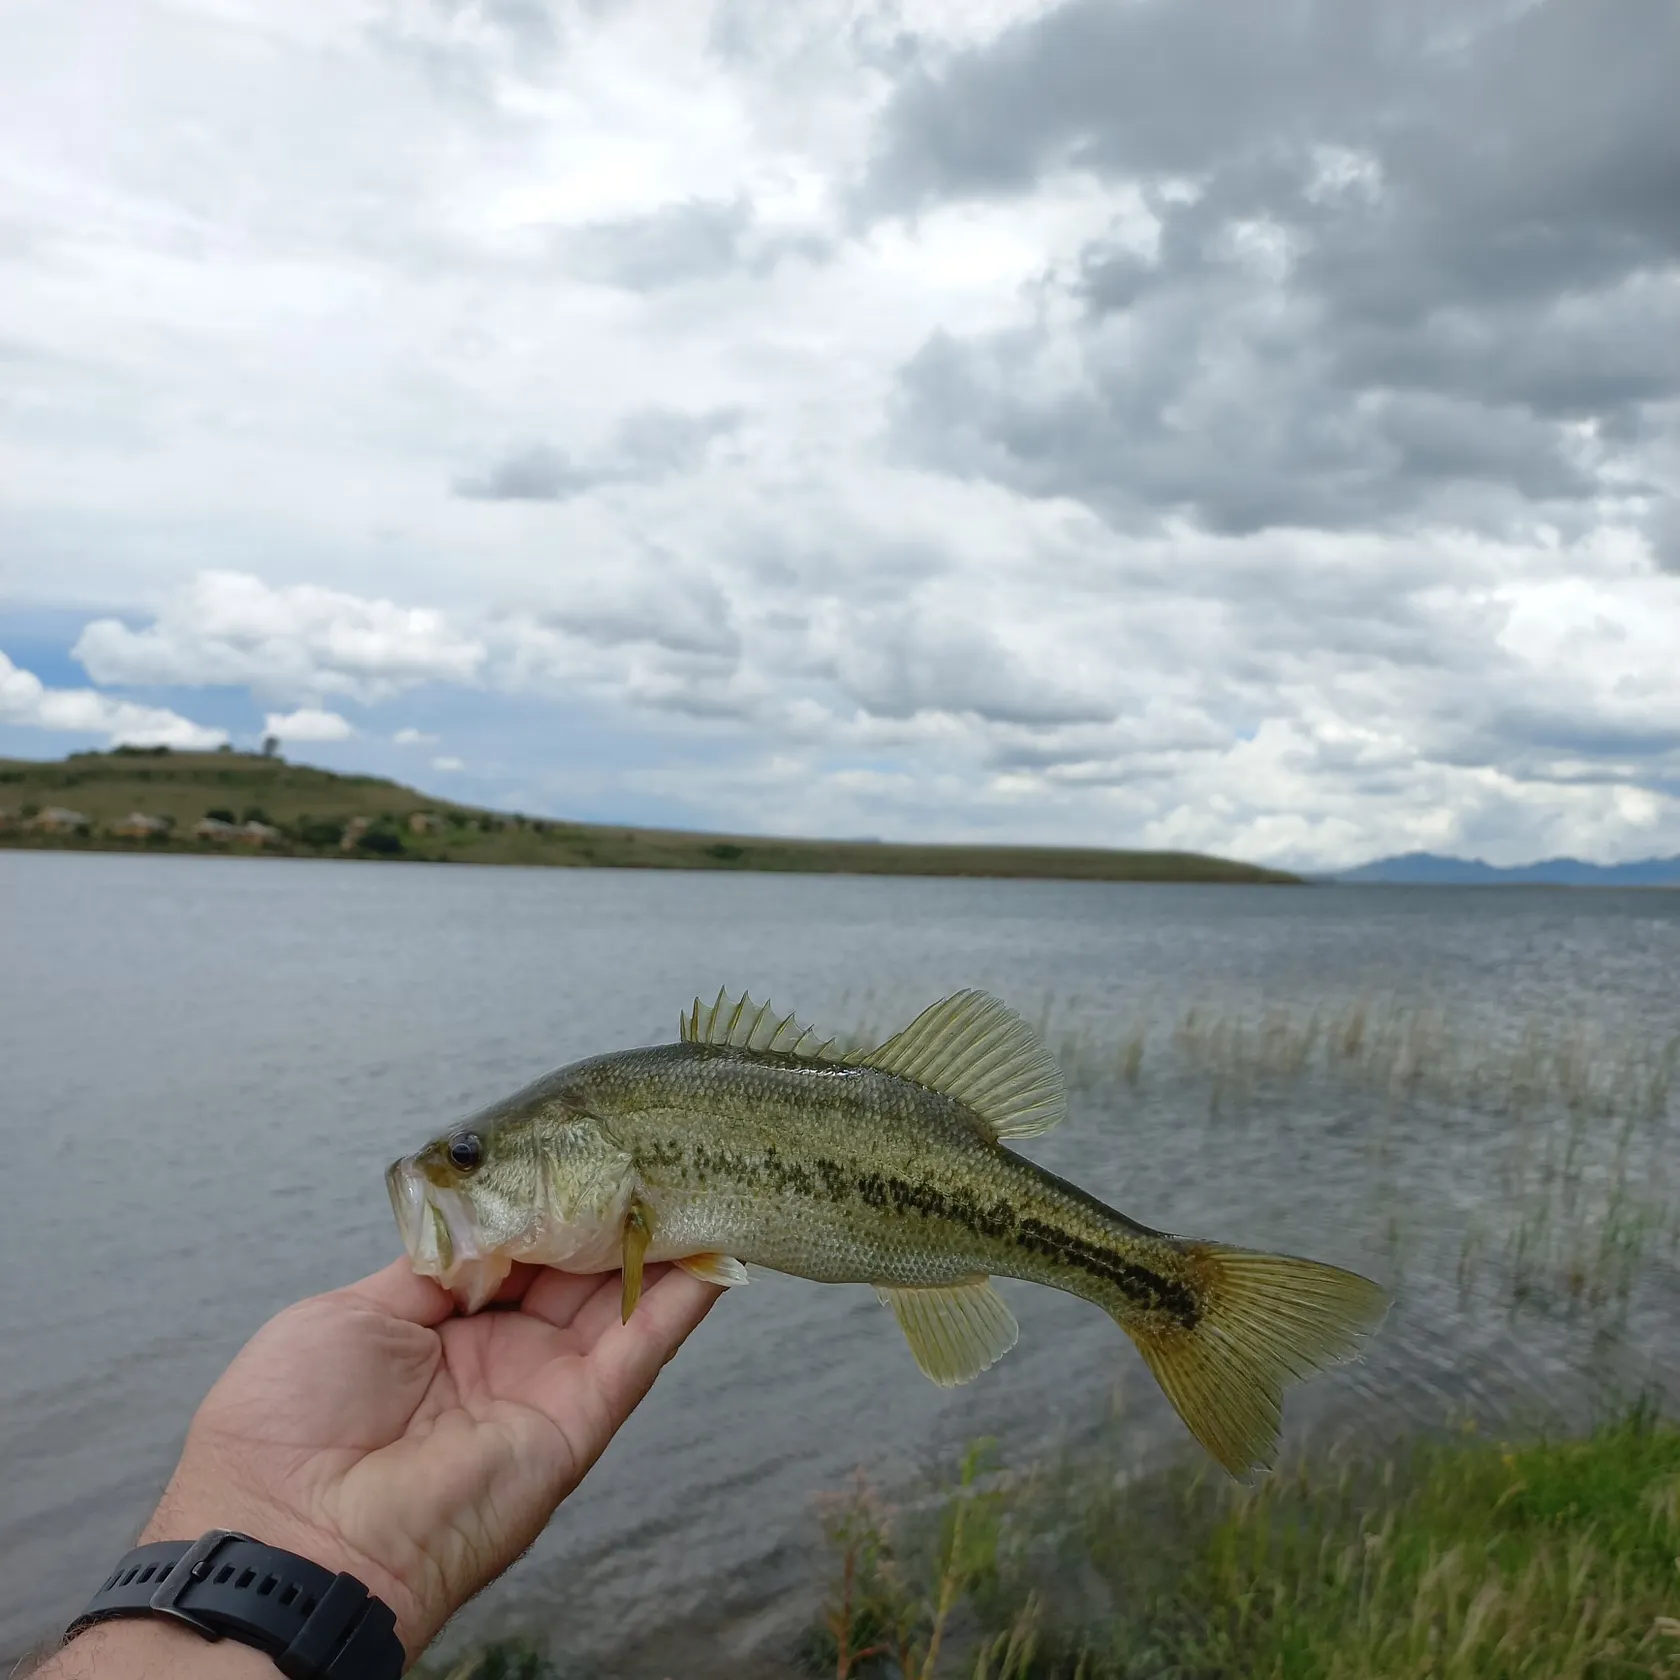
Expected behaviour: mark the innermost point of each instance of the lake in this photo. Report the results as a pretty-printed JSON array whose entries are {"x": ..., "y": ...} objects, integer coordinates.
[{"x": 205, "y": 1065}]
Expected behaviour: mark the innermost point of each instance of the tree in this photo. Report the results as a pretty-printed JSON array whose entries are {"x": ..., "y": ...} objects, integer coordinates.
[{"x": 270, "y": 746}]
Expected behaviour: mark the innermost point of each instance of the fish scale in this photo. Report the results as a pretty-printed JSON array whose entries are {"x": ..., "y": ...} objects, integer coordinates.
[{"x": 752, "y": 1142}]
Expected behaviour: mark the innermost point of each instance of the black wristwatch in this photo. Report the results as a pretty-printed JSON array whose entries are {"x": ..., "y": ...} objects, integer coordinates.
[{"x": 316, "y": 1625}]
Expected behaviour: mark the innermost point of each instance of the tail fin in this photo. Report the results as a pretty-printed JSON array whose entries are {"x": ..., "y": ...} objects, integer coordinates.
[{"x": 1266, "y": 1320}]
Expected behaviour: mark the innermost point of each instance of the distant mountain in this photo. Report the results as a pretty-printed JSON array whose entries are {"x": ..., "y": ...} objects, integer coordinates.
[{"x": 1427, "y": 869}]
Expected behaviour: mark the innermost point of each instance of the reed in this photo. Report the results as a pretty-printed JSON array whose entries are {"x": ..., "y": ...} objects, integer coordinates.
[{"x": 1457, "y": 1559}]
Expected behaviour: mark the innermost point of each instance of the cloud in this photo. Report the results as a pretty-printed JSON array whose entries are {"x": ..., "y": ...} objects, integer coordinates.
[
  {"x": 26, "y": 700},
  {"x": 679, "y": 243},
  {"x": 448, "y": 763},
  {"x": 647, "y": 445},
  {"x": 666, "y": 247},
  {"x": 409, "y": 737},
  {"x": 1182, "y": 422},
  {"x": 308, "y": 724},
  {"x": 1365, "y": 277},
  {"x": 296, "y": 642}
]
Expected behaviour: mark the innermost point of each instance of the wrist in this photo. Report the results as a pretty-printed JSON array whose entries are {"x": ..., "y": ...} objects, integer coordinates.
[
  {"x": 195, "y": 1502},
  {"x": 152, "y": 1649}
]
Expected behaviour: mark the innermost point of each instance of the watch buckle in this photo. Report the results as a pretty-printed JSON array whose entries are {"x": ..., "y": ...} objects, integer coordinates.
[{"x": 193, "y": 1565}]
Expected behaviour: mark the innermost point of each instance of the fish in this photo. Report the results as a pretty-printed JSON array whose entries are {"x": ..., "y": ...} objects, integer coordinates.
[{"x": 753, "y": 1141}]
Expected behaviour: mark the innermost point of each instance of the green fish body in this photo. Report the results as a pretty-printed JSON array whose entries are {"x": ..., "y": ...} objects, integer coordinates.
[{"x": 750, "y": 1143}]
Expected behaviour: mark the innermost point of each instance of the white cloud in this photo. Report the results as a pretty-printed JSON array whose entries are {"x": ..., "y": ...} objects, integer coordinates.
[
  {"x": 26, "y": 700},
  {"x": 448, "y": 764},
  {"x": 296, "y": 642},
  {"x": 1062, "y": 508},
  {"x": 308, "y": 723}
]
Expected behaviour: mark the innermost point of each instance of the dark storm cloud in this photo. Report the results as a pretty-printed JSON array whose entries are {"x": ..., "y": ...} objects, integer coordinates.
[
  {"x": 698, "y": 239},
  {"x": 1409, "y": 267},
  {"x": 651, "y": 444}
]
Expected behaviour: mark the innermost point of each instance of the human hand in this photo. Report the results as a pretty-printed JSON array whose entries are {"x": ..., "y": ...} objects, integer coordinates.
[{"x": 374, "y": 1431}]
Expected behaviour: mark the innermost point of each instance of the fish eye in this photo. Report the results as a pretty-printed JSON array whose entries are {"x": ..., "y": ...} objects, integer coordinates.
[{"x": 466, "y": 1150}]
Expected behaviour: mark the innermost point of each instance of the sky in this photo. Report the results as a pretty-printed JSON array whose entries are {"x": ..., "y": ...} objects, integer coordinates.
[{"x": 1166, "y": 423}]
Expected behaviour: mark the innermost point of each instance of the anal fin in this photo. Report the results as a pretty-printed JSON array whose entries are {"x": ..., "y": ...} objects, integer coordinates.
[
  {"x": 721, "y": 1269},
  {"x": 955, "y": 1331}
]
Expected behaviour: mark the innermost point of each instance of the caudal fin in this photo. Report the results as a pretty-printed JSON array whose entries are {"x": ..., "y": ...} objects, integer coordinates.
[{"x": 1266, "y": 1320}]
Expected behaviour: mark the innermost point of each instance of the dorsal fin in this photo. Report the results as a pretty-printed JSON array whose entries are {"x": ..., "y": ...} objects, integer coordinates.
[
  {"x": 745, "y": 1025},
  {"x": 981, "y": 1052}
]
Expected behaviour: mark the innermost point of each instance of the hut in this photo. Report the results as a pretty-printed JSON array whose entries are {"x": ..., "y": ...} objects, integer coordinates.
[
  {"x": 56, "y": 819},
  {"x": 140, "y": 825}
]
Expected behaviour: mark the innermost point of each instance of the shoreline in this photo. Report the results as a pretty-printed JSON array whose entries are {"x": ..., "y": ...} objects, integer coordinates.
[{"x": 892, "y": 866}]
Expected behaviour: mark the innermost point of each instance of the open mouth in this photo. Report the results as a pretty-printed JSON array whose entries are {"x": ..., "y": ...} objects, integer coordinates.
[
  {"x": 437, "y": 1226},
  {"x": 408, "y": 1202}
]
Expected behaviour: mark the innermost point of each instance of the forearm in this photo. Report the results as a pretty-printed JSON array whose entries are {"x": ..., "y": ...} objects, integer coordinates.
[{"x": 147, "y": 1648}]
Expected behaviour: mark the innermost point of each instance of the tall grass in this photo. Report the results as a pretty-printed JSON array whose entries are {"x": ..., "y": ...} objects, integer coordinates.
[{"x": 1463, "y": 1559}]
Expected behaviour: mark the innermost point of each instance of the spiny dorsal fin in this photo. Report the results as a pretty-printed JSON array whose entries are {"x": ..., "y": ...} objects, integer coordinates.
[
  {"x": 981, "y": 1052},
  {"x": 745, "y": 1025}
]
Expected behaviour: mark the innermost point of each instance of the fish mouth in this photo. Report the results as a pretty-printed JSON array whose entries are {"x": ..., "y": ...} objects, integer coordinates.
[{"x": 437, "y": 1226}]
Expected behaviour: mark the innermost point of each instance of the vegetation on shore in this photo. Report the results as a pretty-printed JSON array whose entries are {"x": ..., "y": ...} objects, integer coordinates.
[
  {"x": 1465, "y": 1558},
  {"x": 317, "y": 813}
]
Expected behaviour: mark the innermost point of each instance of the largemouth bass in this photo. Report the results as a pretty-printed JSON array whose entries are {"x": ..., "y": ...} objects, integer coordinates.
[{"x": 750, "y": 1142}]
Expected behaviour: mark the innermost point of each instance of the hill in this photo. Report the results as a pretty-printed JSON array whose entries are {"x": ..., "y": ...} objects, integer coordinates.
[
  {"x": 299, "y": 810},
  {"x": 1428, "y": 869}
]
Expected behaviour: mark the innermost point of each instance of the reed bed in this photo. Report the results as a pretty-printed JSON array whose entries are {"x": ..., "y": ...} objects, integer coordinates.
[{"x": 1459, "y": 1559}]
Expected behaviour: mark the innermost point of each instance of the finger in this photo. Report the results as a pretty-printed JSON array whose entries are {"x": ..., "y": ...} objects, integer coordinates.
[
  {"x": 560, "y": 1297},
  {"x": 589, "y": 1398},
  {"x": 516, "y": 1283},
  {"x": 627, "y": 1357},
  {"x": 398, "y": 1291},
  {"x": 605, "y": 1309}
]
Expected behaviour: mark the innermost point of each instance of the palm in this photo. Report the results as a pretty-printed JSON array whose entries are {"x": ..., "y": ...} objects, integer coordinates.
[{"x": 425, "y": 1451}]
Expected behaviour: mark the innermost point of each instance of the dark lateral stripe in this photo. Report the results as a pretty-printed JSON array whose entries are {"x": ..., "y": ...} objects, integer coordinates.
[
  {"x": 1142, "y": 1287},
  {"x": 997, "y": 1220}
]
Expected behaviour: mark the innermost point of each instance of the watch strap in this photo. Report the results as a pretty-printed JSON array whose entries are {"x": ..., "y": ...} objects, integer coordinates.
[{"x": 315, "y": 1624}]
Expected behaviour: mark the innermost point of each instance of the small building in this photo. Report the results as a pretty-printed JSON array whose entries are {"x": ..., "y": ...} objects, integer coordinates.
[
  {"x": 254, "y": 833},
  {"x": 140, "y": 825},
  {"x": 57, "y": 820},
  {"x": 353, "y": 831},
  {"x": 213, "y": 828},
  {"x": 425, "y": 822}
]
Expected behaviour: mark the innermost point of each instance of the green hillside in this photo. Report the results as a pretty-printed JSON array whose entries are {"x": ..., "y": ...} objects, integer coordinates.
[{"x": 317, "y": 813}]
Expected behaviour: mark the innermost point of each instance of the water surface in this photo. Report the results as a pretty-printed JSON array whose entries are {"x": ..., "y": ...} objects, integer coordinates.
[{"x": 205, "y": 1065}]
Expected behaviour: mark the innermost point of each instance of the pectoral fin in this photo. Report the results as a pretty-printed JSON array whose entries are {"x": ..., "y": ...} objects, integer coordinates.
[
  {"x": 715, "y": 1268},
  {"x": 954, "y": 1332},
  {"x": 638, "y": 1233}
]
